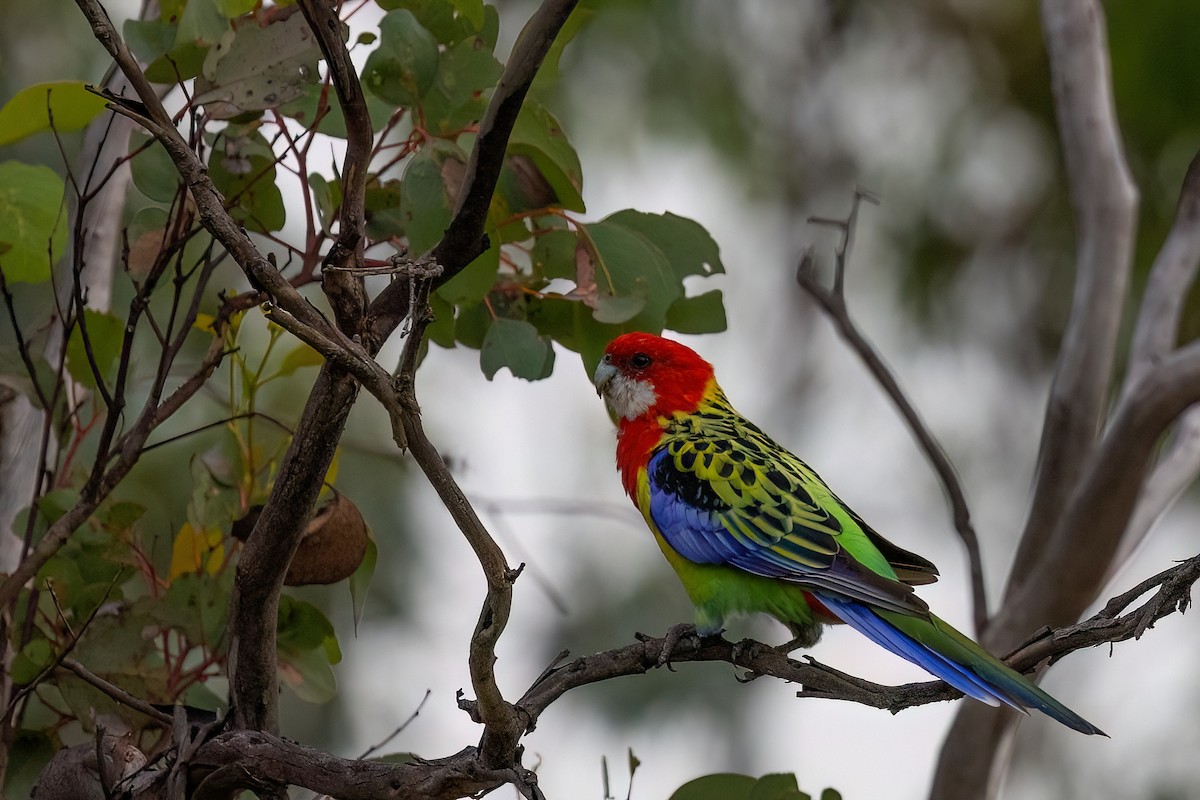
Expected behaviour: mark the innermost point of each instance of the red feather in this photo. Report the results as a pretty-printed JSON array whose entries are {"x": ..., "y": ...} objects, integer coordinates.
[{"x": 680, "y": 379}]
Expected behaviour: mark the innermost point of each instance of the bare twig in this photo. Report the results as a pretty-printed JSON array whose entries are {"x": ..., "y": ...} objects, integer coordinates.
[
  {"x": 399, "y": 728},
  {"x": 833, "y": 303},
  {"x": 115, "y": 692}
]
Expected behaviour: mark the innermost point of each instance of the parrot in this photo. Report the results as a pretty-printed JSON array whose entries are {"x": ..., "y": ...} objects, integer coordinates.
[{"x": 750, "y": 528}]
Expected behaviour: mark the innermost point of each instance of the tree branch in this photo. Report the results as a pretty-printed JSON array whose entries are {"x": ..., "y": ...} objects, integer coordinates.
[
  {"x": 1105, "y": 202},
  {"x": 464, "y": 239},
  {"x": 833, "y": 303}
]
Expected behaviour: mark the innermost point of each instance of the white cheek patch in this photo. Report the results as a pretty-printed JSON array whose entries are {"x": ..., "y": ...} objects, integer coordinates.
[{"x": 628, "y": 397}]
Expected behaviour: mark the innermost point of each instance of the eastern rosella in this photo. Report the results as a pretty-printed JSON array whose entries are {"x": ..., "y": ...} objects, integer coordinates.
[{"x": 749, "y": 527}]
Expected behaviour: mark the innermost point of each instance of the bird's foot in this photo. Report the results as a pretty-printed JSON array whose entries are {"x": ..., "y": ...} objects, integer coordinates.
[
  {"x": 747, "y": 648},
  {"x": 675, "y": 635}
]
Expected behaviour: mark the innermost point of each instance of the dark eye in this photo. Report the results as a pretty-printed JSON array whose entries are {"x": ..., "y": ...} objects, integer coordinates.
[{"x": 640, "y": 361}]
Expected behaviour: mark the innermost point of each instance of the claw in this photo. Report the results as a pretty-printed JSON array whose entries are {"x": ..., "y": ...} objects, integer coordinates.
[{"x": 675, "y": 635}]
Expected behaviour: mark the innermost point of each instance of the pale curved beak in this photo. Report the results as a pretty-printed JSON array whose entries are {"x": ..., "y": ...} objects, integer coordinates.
[{"x": 605, "y": 372}]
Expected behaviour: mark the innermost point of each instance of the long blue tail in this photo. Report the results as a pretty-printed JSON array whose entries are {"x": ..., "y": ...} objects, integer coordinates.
[{"x": 938, "y": 648}]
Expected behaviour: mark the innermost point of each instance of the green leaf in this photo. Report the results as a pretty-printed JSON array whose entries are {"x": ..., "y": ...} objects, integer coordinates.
[
  {"x": 456, "y": 98},
  {"x": 831, "y": 794},
  {"x": 383, "y": 215},
  {"x": 302, "y": 627},
  {"x": 704, "y": 313},
  {"x": 154, "y": 172},
  {"x": 33, "y": 658},
  {"x": 309, "y": 675},
  {"x": 244, "y": 172},
  {"x": 448, "y": 20},
  {"x": 406, "y": 61},
  {"x": 28, "y": 756},
  {"x": 14, "y": 375},
  {"x": 516, "y": 344},
  {"x": 689, "y": 248},
  {"x": 627, "y": 263},
  {"x": 298, "y": 357},
  {"x": 29, "y": 111},
  {"x": 475, "y": 280},
  {"x": 194, "y": 604},
  {"x": 441, "y": 330},
  {"x": 548, "y": 73},
  {"x": 235, "y": 8},
  {"x": 471, "y": 324},
  {"x": 32, "y": 228},
  {"x": 360, "y": 581},
  {"x": 538, "y": 136},
  {"x": 149, "y": 39},
  {"x": 426, "y": 205},
  {"x": 722, "y": 786},
  {"x": 315, "y": 100},
  {"x": 182, "y": 63},
  {"x": 254, "y": 68},
  {"x": 780, "y": 786},
  {"x": 105, "y": 334},
  {"x": 202, "y": 24},
  {"x": 553, "y": 254}
]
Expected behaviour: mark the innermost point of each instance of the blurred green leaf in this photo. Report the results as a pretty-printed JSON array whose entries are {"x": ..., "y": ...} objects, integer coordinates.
[
  {"x": 471, "y": 324},
  {"x": 14, "y": 375},
  {"x": 302, "y": 355},
  {"x": 33, "y": 658},
  {"x": 516, "y": 344},
  {"x": 316, "y": 98},
  {"x": 426, "y": 204},
  {"x": 704, "y": 313},
  {"x": 475, "y": 280},
  {"x": 553, "y": 254},
  {"x": 183, "y": 62},
  {"x": 441, "y": 330},
  {"x": 723, "y": 786},
  {"x": 448, "y": 20},
  {"x": 360, "y": 581},
  {"x": 154, "y": 172},
  {"x": 831, "y": 794},
  {"x": 105, "y": 335},
  {"x": 456, "y": 97},
  {"x": 538, "y": 136},
  {"x": 195, "y": 604},
  {"x": 202, "y": 23},
  {"x": 406, "y": 61},
  {"x": 309, "y": 675},
  {"x": 302, "y": 627},
  {"x": 27, "y": 757},
  {"x": 384, "y": 216},
  {"x": 31, "y": 109},
  {"x": 149, "y": 39},
  {"x": 32, "y": 226},
  {"x": 244, "y": 172},
  {"x": 779, "y": 786},
  {"x": 235, "y": 8}
]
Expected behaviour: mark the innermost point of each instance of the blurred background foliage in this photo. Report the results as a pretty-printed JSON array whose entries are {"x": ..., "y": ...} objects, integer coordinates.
[{"x": 943, "y": 109}]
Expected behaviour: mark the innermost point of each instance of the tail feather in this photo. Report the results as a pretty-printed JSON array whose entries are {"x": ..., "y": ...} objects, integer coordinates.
[{"x": 937, "y": 647}]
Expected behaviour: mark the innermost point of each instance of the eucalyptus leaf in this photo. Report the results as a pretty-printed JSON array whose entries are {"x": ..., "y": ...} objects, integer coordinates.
[{"x": 33, "y": 228}]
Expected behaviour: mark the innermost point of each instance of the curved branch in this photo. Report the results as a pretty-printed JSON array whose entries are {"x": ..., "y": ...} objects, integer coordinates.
[
  {"x": 464, "y": 239},
  {"x": 1105, "y": 201},
  {"x": 833, "y": 303},
  {"x": 346, "y": 293}
]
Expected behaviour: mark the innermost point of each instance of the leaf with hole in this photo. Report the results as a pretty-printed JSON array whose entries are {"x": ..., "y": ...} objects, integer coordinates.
[{"x": 517, "y": 345}]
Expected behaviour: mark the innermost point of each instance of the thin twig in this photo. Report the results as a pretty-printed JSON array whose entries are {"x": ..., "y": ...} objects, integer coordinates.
[
  {"x": 833, "y": 303},
  {"x": 399, "y": 728}
]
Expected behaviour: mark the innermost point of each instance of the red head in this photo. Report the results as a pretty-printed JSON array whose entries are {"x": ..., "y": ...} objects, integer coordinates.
[{"x": 646, "y": 376}]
